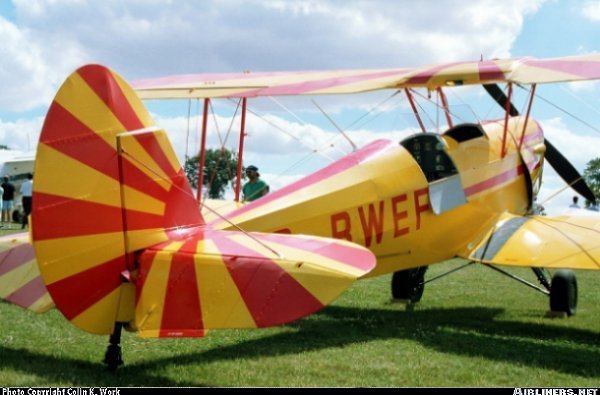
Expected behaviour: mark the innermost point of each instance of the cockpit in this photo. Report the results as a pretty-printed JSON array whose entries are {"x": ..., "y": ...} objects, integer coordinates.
[{"x": 445, "y": 188}]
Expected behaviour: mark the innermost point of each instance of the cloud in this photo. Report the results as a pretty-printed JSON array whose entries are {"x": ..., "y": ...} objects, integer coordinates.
[
  {"x": 140, "y": 38},
  {"x": 591, "y": 10},
  {"x": 22, "y": 134}
]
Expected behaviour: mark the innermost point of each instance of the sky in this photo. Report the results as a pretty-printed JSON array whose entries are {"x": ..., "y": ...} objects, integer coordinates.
[{"x": 43, "y": 41}]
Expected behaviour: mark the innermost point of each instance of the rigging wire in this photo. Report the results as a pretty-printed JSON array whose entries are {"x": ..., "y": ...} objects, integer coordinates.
[
  {"x": 354, "y": 147},
  {"x": 187, "y": 193},
  {"x": 563, "y": 110},
  {"x": 187, "y": 134}
]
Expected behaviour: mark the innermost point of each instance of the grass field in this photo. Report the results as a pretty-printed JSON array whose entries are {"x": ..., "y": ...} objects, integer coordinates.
[{"x": 472, "y": 328}]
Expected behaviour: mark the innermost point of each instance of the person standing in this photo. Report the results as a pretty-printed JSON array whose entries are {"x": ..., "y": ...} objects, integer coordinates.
[
  {"x": 255, "y": 187},
  {"x": 575, "y": 203},
  {"x": 26, "y": 192},
  {"x": 8, "y": 197}
]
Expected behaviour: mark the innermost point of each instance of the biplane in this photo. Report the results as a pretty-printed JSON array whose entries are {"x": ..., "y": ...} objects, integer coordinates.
[{"x": 121, "y": 242}]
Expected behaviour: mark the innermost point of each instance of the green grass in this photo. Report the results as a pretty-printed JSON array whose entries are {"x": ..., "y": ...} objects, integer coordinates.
[{"x": 472, "y": 328}]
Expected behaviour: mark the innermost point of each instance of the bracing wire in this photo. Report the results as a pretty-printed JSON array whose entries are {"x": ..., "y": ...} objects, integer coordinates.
[{"x": 187, "y": 193}]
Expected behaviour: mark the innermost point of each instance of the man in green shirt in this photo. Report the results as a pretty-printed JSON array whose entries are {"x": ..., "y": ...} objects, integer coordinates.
[{"x": 255, "y": 187}]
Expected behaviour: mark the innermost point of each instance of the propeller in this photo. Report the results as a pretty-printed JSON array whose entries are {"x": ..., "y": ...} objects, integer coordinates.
[{"x": 557, "y": 160}]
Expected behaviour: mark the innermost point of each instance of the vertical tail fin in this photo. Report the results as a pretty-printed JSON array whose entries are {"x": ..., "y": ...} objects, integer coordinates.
[{"x": 106, "y": 184}]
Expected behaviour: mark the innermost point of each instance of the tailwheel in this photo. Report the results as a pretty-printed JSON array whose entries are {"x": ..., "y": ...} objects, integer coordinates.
[
  {"x": 563, "y": 292},
  {"x": 409, "y": 284},
  {"x": 113, "y": 358}
]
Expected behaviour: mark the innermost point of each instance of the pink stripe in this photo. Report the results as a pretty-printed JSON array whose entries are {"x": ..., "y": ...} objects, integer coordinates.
[
  {"x": 335, "y": 168},
  {"x": 15, "y": 257},
  {"x": 489, "y": 70},
  {"x": 585, "y": 69},
  {"x": 359, "y": 258},
  {"x": 311, "y": 86},
  {"x": 29, "y": 293},
  {"x": 424, "y": 76},
  {"x": 496, "y": 180}
]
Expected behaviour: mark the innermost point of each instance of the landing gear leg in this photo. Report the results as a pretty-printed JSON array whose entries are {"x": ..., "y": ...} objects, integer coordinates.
[
  {"x": 113, "y": 357},
  {"x": 409, "y": 284}
]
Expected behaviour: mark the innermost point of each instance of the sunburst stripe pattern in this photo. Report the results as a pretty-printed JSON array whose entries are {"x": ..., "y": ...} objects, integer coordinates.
[
  {"x": 226, "y": 279},
  {"x": 82, "y": 197}
]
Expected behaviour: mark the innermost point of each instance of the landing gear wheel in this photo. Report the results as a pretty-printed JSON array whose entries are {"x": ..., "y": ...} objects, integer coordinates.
[
  {"x": 408, "y": 284},
  {"x": 563, "y": 292},
  {"x": 113, "y": 358}
]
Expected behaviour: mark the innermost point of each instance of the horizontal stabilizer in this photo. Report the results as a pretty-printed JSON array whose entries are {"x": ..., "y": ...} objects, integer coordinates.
[
  {"x": 227, "y": 279},
  {"x": 571, "y": 242},
  {"x": 20, "y": 280}
]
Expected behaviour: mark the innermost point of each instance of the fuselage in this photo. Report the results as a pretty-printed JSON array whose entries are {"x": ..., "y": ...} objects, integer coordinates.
[{"x": 382, "y": 196}]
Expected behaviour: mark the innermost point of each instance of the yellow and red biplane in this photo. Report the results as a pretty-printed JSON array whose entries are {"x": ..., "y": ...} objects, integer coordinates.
[{"x": 120, "y": 240}]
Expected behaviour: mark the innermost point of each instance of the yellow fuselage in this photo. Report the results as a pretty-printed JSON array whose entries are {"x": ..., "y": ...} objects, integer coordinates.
[{"x": 383, "y": 202}]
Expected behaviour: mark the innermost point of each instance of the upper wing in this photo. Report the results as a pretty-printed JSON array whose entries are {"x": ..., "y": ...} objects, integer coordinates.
[
  {"x": 537, "y": 241},
  {"x": 20, "y": 281},
  {"x": 249, "y": 84}
]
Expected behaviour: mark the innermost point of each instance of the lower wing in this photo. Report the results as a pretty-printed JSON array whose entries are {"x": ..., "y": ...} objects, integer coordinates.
[{"x": 567, "y": 241}]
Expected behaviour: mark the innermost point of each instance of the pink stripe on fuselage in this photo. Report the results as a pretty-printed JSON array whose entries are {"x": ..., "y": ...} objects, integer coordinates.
[
  {"x": 356, "y": 257},
  {"x": 494, "y": 181},
  {"x": 335, "y": 168}
]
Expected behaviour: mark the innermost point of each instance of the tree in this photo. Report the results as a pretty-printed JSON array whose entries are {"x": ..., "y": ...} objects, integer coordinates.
[
  {"x": 591, "y": 174},
  {"x": 220, "y": 167}
]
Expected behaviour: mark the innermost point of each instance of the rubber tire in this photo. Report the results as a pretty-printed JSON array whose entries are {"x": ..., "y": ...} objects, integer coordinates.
[
  {"x": 17, "y": 216},
  {"x": 563, "y": 292},
  {"x": 408, "y": 284}
]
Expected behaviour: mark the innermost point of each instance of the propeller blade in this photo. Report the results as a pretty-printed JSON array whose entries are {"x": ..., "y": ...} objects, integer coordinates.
[
  {"x": 500, "y": 98},
  {"x": 558, "y": 162},
  {"x": 567, "y": 172}
]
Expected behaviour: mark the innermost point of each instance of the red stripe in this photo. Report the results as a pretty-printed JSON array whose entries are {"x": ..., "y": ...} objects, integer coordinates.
[
  {"x": 29, "y": 293},
  {"x": 65, "y": 133},
  {"x": 494, "y": 181},
  {"x": 181, "y": 310},
  {"x": 359, "y": 258},
  {"x": 153, "y": 147},
  {"x": 145, "y": 263},
  {"x": 75, "y": 294},
  {"x": 333, "y": 169},
  {"x": 272, "y": 296},
  {"x": 181, "y": 207},
  {"x": 15, "y": 257},
  {"x": 135, "y": 178},
  {"x": 101, "y": 80},
  {"x": 65, "y": 217}
]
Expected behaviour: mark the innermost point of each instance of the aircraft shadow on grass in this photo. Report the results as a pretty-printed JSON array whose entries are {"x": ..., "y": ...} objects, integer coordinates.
[{"x": 471, "y": 332}]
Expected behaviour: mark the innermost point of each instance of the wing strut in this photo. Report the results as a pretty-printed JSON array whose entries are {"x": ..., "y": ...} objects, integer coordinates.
[
  {"x": 445, "y": 104},
  {"x": 414, "y": 108},
  {"x": 202, "y": 150},
  {"x": 238, "y": 180}
]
